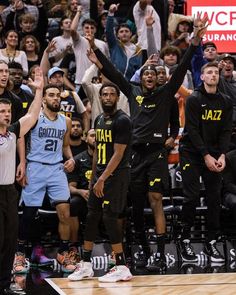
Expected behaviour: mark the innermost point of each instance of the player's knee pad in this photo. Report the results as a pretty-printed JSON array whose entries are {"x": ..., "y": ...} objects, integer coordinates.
[
  {"x": 92, "y": 222},
  {"x": 111, "y": 224}
]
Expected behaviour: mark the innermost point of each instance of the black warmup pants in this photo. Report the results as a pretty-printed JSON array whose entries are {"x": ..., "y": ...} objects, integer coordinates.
[
  {"x": 8, "y": 232},
  {"x": 192, "y": 167}
]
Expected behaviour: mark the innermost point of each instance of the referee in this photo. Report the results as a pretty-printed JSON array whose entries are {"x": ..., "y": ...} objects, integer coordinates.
[{"x": 8, "y": 195}]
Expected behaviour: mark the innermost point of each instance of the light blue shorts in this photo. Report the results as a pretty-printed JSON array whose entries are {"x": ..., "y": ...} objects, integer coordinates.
[{"x": 43, "y": 178}]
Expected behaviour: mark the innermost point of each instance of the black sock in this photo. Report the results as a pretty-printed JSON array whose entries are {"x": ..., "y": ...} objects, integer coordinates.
[
  {"x": 64, "y": 246},
  {"x": 161, "y": 244},
  {"x": 185, "y": 232},
  {"x": 21, "y": 246},
  {"x": 120, "y": 258},
  {"x": 141, "y": 239},
  {"x": 87, "y": 255}
]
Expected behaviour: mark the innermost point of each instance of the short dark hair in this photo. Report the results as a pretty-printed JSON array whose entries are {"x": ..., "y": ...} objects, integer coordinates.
[
  {"x": 208, "y": 44},
  {"x": 5, "y": 101},
  {"x": 208, "y": 65},
  {"x": 146, "y": 68},
  {"x": 89, "y": 21},
  {"x": 122, "y": 25},
  {"x": 109, "y": 84},
  {"x": 63, "y": 18},
  {"x": 50, "y": 86},
  {"x": 15, "y": 65},
  {"x": 11, "y": 31},
  {"x": 78, "y": 120}
]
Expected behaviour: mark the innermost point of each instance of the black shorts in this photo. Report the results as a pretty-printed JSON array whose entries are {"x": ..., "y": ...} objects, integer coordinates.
[
  {"x": 115, "y": 193},
  {"x": 78, "y": 207},
  {"x": 149, "y": 171}
]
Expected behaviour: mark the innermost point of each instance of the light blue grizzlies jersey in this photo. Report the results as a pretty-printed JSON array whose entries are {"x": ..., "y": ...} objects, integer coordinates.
[{"x": 46, "y": 140}]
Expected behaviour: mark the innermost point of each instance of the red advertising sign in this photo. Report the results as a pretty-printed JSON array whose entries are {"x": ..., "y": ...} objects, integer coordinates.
[{"x": 222, "y": 21}]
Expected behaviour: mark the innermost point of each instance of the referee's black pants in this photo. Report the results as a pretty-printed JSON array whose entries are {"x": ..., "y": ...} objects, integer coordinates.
[
  {"x": 192, "y": 167},
  {"x": 8, "y": 232}
]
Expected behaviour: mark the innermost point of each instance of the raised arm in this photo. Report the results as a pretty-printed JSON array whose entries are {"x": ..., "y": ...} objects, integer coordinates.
[
  {"x": 110, "y": 35},
  {"x": 200, "y": 27},
  {"x": 151, "y": 44},
  {"x": 45, "y": 64},
  {"x": 87, "y": 84},
  {"x": 74, "y": 25},
  {"x": 108, "y": 70},
  {"x": 29, "y": 120}
]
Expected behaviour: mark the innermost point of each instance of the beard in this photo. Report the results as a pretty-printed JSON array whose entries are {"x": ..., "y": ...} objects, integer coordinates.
[
  {"x": 17, "y": 84},
  {"x": 54, "y": 109},
  {"x": 92, "y": 146},
  {"x": 109, "y": 109},
  {"x": 75, "y": 137}
]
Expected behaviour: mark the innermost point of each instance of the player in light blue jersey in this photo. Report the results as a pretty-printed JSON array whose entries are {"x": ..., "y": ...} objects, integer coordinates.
[{"x": 49, "y": 141}]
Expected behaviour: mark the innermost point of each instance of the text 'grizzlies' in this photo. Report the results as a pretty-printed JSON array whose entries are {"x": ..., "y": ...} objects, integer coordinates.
[{"x": 51, "y": 133}]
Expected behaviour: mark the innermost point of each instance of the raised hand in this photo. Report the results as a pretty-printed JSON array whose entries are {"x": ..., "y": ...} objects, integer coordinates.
[
  {"x": 200, "y": 26},
  {"x": 38, "y": 82},
  {"x": 51, "y": 46},
  {"x": 113, "y": 8},
  {"x": 92, "y": 56},
  {"x": 149, "y": 19},
  {"x": 152, "y": 60}
]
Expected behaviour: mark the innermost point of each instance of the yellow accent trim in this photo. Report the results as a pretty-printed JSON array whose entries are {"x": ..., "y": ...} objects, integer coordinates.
[
  {"x": 151, "y": 183},
  {"x": 139, "y": 99},
  {"x": 105, "y": 203},
  {"x": 185, "y": 166},
  {"x": 25, "y": 104}
]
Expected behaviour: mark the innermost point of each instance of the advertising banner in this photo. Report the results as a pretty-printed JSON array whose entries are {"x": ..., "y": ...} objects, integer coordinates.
[{"x": 222, "y": 21}]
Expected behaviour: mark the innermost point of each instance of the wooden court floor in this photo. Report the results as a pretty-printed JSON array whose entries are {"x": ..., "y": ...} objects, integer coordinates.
[{"x": 184, "y": 284}]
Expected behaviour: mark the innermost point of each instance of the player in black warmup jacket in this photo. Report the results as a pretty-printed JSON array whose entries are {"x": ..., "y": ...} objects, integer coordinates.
[
  {"x": 150, "y": 107},
  {"x": 205, "y": 141}
]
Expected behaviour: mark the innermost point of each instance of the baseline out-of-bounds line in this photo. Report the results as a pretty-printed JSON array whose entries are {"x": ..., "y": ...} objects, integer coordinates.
[{"x": 55, "y": 287}]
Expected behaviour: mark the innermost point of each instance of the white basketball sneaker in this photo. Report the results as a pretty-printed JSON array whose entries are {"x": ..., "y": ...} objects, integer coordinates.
[
  {"x": 117, "y": 273},
  {"x": 83, "y": 270}
]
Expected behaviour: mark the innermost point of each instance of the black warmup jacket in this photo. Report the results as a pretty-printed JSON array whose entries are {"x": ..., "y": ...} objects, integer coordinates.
[
  {"x": 208, "y": 123},
  {"x": 153, "y": 111}
]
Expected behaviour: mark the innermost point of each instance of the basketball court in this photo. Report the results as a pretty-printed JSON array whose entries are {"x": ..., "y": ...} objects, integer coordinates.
[{"x": 221, "y": 283}]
